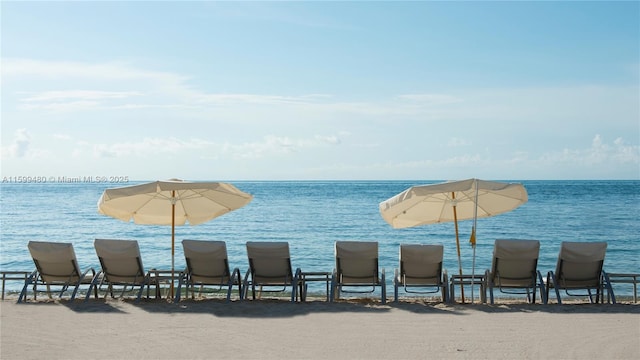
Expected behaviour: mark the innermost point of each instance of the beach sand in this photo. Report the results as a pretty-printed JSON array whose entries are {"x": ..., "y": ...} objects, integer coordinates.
[{"x": 348, "y": 329}]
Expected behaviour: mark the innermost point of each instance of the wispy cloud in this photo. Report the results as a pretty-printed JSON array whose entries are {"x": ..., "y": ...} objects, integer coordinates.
[
  {"x": 267, "y": 147},
  {"x": 616, "y": 153},
  {"x": 147, "y": 147},
  {"x": 63, "y": 137},
  {"x": 143, "y": 89},
  {"x": 113, "y": 86},
  {"x": 71, "y": 70},
  {"x": 458, "y": 142},
  {"x": 79, "y": 94},
  {"x": 469, "y": 122},
  {"x": 431, "y": 99},
  {"x": 273, "y": 145}
]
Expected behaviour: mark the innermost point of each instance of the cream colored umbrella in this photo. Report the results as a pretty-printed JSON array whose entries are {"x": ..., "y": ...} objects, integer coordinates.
[
  {"x": 450, "y": 202},
  {"x": 173, "y": 202}
]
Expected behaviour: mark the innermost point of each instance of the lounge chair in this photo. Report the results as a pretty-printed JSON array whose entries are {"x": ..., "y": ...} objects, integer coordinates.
[
  {"x": 56, "y": 265},
  {"x": 579, "y": 267},
  {"x": 421, "y": 268},
  {"x": 269, "y": 268},
  {"x": 207, "y": 264},
  {"x": 514, "y": 269},
  {"x": 356, "y": 268},
  {"x": 121, "y": 266}
]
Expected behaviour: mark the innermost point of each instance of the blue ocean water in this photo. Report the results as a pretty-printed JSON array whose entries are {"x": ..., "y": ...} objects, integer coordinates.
[{"x": 312, "y": 215}]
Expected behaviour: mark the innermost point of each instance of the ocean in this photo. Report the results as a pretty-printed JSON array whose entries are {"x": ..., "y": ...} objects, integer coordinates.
[{"x": 312, "y": 215}]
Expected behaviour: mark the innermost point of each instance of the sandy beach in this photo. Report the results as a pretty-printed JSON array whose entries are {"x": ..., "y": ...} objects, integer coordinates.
[{"x": 353, "y": 329}]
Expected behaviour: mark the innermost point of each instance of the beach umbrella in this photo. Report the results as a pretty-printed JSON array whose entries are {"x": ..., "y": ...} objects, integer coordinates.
[
  {"x": 173, "y": 202},
  {"x": 452, "y": 201}
]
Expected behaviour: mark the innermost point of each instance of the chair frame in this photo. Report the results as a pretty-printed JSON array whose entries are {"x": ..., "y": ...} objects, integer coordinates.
[
  {"x": 190, "y": 277},
  {"x": 437, "y": 283},
  {"x": 105, "y": 275},
  {"x": 598, "y": 282},
  {"x": 528, "y": 285},
  {"x": 41, "y": 277},
  {"x": 373, "y": 280},
  {"x": 254, "y": 277}
]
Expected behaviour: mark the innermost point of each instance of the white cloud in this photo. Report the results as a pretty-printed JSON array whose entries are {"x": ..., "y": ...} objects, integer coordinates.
[
  {"x": 491, "y": 130},
  {"x": 73, "y": 100},
  {"x": 20, "y": 146},
  {"x": 596, "y": 161},
  {"x": 70, "y": 106},
  {"x": 79, "y": 94},
  {"x": 458, "y": 142},
  {"x": 71, "y": 70},
  {"x": 63, "y": 137},
  {"x": 334, "y": 140},
  {"x": 148, "y": 147},
  {"x": 599, "y": 153},
  {"x": 269, "y": 146},
  {"x": 272, "y": 145},
  {"x": 431, "y": 99},
  {"x": 126, "y": 87}
]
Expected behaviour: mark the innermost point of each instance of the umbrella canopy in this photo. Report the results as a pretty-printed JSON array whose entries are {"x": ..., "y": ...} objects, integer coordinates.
[
  {"x": 450, "y": 202},
  {"x": 430, "y": 204},
  {"x": 173, "y": 202}
]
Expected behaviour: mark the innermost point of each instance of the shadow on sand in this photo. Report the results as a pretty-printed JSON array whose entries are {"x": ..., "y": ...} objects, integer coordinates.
[{"x": 279, "y": 308}]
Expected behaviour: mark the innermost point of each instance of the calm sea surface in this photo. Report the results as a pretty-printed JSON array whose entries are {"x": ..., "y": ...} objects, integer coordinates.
[{"x": 312, "y": 215}]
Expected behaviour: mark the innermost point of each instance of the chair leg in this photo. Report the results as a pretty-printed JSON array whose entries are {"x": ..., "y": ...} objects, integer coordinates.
[
  {"x": 452, "y": 292},
  {"x": 551, "y": 281},
  {"x": 384, "y": 288},
  {"x": 395, "y": 291},
  {"x": 491, "y": 296},
  {"x": 75, "y": 290},
  {"x": 607, "y": 284},
  {"x": 178, "y": 291},
  {"x": 332, "y": 290},
  {"x": 27, "y": 282}
]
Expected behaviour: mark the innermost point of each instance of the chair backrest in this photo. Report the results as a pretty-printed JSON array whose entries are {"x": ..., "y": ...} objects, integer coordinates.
[
  {"x": 580, "y": 262},
  {"x": 206, "y": 258},
  {"x": 421, "y": 261},
  {"x": 515, "y": 259},
  {"x": 120, "y": 260},
  {"x": 269, "y": 259},
  {"x": 356, "y": 260},
  {"x": 55, "y": 262}
]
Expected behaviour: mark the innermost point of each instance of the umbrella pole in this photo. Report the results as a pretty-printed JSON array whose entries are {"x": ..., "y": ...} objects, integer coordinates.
[
  {"x": 173, "y": 235},
  {"x": 455, "y": 221},
  {"x": 473, "y": 244}
]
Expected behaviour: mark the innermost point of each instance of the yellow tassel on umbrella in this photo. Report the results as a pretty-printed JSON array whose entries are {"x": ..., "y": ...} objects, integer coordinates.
[{"x": 472, "y": 239}]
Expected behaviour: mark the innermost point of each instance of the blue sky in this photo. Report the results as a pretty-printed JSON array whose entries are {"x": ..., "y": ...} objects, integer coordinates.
[{"x": 321, "y": 90}]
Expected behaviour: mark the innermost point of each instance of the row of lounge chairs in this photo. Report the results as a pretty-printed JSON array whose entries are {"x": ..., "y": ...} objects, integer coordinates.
[{"x": 420, "y": 270}]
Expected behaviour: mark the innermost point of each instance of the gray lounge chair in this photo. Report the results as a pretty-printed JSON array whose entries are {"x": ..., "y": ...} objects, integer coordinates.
[
  {"x": 357, "y": 268},
  {"x": 579, "y": 267},
  {"x": 121, "y": 266},
  {"x": 269, "y": 268},
  {"x": 207, "y": 264},
  {"x": 514, "y": 269},
  {"x": 421, "y": 268},
  {"x": 56, "y": 266}
]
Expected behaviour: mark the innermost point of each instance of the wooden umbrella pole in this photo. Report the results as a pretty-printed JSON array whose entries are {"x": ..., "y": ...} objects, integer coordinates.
[{"x": 455, "y": 221}]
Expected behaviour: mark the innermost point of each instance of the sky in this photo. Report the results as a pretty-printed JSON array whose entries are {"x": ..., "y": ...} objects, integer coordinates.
[{"x": 354, "y": 90}]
